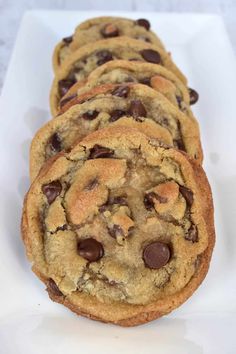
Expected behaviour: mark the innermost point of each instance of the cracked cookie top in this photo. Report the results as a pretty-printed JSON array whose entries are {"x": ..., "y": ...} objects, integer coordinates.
[
  {"x": 118, "y": 219},
  {"x": 99, "y": 28},
  {"x": 132, "y": 105}
]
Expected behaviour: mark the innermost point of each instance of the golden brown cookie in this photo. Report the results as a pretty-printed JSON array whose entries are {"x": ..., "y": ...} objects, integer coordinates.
[
  {"x": 99, "y": 28},
  {"x": 130, "y": 105},
  {"x": 120, "y": 229},
  {"x": 87, "y": 58},
  {"x": 124, "y": 71}
]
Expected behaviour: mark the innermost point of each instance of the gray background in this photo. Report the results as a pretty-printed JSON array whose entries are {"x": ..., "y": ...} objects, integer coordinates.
[{"x": 11, "y": 12}]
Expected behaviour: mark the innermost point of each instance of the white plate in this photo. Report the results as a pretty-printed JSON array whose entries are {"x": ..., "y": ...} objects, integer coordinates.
[{"x": 29, "y": 321}]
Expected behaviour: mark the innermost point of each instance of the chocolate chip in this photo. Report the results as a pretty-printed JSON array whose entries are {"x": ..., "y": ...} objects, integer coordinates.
[
  {"x": 90, "y": 115},
  {"x": 134, "y": 59},
  {"x": 179, "y": 101},
  {"x": 104, "y": 56},
  {"x": 110, "y": 30},
  {"x": 68, "y": 40},
  {"x": 92, "y": 184},
  {"x": 116, "y": 114},
  {"x": 150, "y": 55},
  {"x": 156, "y": 255},
  {"x": 180, "y": 144},
  {"x": 67, "y": 99},
  {"x": 55, "y": 142},
  {"x": 187, "y": 194},
  {"x": 137, "y": 109},
  {"x": 148, "y": 200},
  {"x": 52, "y": 287},
  {"x": 121, "y": 91},
  {"x": 64, "y": 85},
  {"x": 52, "y": 190},
  {"x": 115, "y": 230},
  {"x": 99, "y": 151},
  {"x": 145, "y": 81},
  {"x": 144, "y": 23},
  {"x": 121, "y": 200},
  {"x": 192, "y": 234},
  {"x": 194, "y": 96},
  {"x": 90, "y": 249}
]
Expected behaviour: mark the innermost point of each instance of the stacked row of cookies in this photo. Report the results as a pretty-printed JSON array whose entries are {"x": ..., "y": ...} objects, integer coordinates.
[{"x": 118, "y": 221}]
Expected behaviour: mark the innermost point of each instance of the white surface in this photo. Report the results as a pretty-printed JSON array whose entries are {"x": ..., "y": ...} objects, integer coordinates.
[
  {"x": 11, "y": 12},
  {"x": 29, "y": 321}
]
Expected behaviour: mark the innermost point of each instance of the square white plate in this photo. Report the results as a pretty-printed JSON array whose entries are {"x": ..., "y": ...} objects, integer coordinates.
[{"x": 29, "y": 321}]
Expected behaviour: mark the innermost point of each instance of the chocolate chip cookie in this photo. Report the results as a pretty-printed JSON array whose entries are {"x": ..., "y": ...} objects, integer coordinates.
[
  {"x": 99, "y": 28},
  {"x": 120, "y": 229},
  {"x": 83, "y": 61},
  {"x": 123, "y": 71},
  {"x": 130, "y": 104}
]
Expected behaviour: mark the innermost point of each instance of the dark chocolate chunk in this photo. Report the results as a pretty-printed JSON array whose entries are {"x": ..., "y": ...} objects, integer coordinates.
[
  {"x": 187, "y": 194},
  {"x": 148, "y": 200},
  {"x": 52, "y": 287},
  {"x": 121, "y": 91},
  {"x": 99, "y": 151},
  {"x": 156, "y": 255},
  {"x": 116, "y": 114},
  {"x": 90, "y": 115},
  {"x": 64, "y": 85},
  {"x": 121, "y": 200},
  {"x": 144, "y": 23},
  {"x": 104, "y": 56},
  {"x": 110, "y": 30},
  {"x": 192, "y": 234},
  {"x": 52, "y": 190},
  {"x": 55, "y": 142},
  {"x": 150, "y": 55},
  {"x": 194, "y": 96},
  {"x": 137, "y": 109},
  {"x": 68, "y": 40},
  {"x": 90, "y": 249},
  {"x": 145, "y": 81}
]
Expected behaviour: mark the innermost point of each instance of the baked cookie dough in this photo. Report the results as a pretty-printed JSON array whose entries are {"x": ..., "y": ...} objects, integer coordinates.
[
  {"x": 83, "y": 61},
  {"x": 120, "y": 229},
  {"x": 99, "y": 28},
  {"x": 131, "y": 105}
]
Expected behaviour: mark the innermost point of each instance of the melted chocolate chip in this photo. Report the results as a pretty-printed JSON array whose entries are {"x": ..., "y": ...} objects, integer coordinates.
[
  {"x": 55, "y": 142},
  {"x": 64, "y": 85},
  {"x": 116, "y": 114},
  {"x": 194, "y": 96},
  {"x": 187, "y": 194},
  {"x": 156, "y": 255},
  {"x": 180, "y": 144},
  {"x": 52, "y": 287},
  {"x": 68, "y": 40},
  {"x": 92, "y": 184},
  {"x": 52, "y": 190},
  {"x": 179, "y": 101},
  {"x": 150, "y": 55},
  {"x": 109, "y": 31},
  {"x": 137, "y": 109},
  {"x": 121, "y": 91},
  {"x": 104, "y": 56},
  {"x": 148, "y": 200},
  {"x": 146, "y": 81},
  {"x": 192, "y": 234},
  {"x": 67, "y": 99},
  {"x": 90, "y": 115},
  {"x": 99, "y": 151},
  {"x": 115, "y": 230},
  {"x": 144, "y": 23},
  {"x": 121, "y": 200},
  {"x": 90, "y": 249}
]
